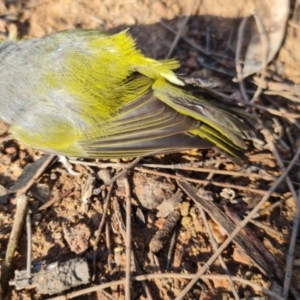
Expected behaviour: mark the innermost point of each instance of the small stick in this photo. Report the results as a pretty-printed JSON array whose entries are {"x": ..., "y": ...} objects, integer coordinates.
[
  {"x": 20, "y": 215},
  {"x": 268, "y": 229},
  {"x": 220, "y": 184},
  {"x": 178, "y": 35},
  {"x": 171, "y": 249},
  {"x": 108, "y": 245},
  {"x": 144, "y": 277},
  {"x": 100, "y": 229},
  {"x": 259, "y": 245},
  {"x": 118, "y": 218},
  {"x": 183, "y": 167},
  {"x": 239, "y": 71},
  {"x": 272, "y": 111},
  {"x": 265, "y": 53},
  {"x": 128, "y": 240},
  {"x": 191, "y": 43},
  {"x": 55, "y": 199},
  {"x": 272, "y": 206},
  {"x": 29, "y": 243},
  {"x": 123, "y": 172},
  {"x": 215, "y": 247},
  {"x": 290, "y": 256}
]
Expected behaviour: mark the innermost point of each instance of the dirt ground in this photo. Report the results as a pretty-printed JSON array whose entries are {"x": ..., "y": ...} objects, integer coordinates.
[{"x": 67, "y": 228}]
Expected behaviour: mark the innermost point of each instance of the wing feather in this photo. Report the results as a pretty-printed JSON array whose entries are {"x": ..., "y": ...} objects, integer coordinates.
[{"x": 145, "y": 126}]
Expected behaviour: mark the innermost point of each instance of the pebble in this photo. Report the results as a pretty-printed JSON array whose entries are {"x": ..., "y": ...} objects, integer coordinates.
[{"x": 185, "y": 208}]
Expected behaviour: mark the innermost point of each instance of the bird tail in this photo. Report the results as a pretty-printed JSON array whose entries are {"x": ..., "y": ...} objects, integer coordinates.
[{"x": 225, "y": 128}]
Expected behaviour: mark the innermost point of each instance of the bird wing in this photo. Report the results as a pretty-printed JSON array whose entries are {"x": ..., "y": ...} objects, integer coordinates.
[
  {"x": 225, "y": 128},
  {"x": 143, "y": 127}
]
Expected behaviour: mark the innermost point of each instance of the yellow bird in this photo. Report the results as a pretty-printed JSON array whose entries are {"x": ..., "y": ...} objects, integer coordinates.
[{"x": 82, "y": 93}]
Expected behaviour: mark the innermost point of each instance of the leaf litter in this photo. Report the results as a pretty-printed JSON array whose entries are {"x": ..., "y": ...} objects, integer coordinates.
[{"x": 206, "y": 44}]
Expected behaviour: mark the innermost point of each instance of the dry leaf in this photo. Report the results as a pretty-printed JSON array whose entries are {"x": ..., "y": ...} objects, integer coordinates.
[{"x": 273, "y": 16}]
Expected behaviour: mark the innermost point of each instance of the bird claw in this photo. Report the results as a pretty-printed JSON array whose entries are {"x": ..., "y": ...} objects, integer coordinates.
[{"x": 67, "y": 165}]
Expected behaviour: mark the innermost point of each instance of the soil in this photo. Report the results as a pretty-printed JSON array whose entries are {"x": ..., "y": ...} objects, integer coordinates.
[{"x": 67, "y": 229}]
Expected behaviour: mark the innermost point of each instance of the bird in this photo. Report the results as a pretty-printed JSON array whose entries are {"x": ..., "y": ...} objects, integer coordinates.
[{"x": 83, "y": 93}]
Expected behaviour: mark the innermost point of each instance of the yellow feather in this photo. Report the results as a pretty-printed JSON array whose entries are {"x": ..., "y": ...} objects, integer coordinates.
[{"x": 83, "y": 93}]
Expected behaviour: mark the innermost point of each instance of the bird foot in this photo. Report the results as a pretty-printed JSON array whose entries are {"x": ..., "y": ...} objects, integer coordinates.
[{"x": 67, "y": 165}]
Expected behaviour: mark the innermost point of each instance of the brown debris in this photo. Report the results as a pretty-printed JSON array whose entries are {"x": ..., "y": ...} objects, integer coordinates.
[
  {"x": 162, "y": 236},
  {"x": 77, "y": 237},
  {"x": 54, "y": 278}
]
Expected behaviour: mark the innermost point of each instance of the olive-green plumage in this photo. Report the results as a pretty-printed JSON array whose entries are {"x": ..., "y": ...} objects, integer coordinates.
[{"x": 85, "y": 94}]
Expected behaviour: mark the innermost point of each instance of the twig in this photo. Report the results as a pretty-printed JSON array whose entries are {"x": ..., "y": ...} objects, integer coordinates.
[
  {"x": 123, "y": 172},
  {"x": 259, "y": 245},
  {"x": 227, "y": 185},
  {"x": 287, "y": 162},
  {"x": 55, "y": 199},
  {"x": 29, "y": 243},
  {"x": 272, "y": 206},
  {"x": 20, "y": 216},
  {"x": 184, "y": 167},
  {"x": 108, "y": 295},
  {"x": 284, "y": 94},
  {"x": 268, "y": 229},
  {"x": 157, "y": 264},
  {"x": 191, "y": 43},
  {"x": 178, "y": 35},
  {"x": 279, "y": 161},
  {"x": 215, "y": 247},
  {"x": 108, "y": 245},
  {"x": 128, "y": 240},
  {"x": 260, "y": 107},
  {"x": 289, "y": 264},
  {"x": 171, "y": 249},
  {"x": 290, "y": 256},
  {"x": 296, "y": 223},
  {"x": 238, "y": 228},
  {"x": 202, "y": 63},
  {"x": 265, "y": 51},
  {"x": 100, "y": 229},
  {"x": 238, "y": 57},
  {"x": 86, "y": 193},
  {"x": 118, "y": 217},
  {"x": 142, "y": 278},
  {"x": 210, "y": 171}
]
